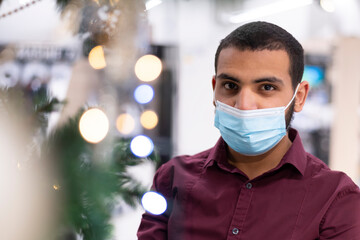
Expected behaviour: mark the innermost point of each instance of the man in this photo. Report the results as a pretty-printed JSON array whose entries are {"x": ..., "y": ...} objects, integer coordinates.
[{"x": 257, "y": 182}]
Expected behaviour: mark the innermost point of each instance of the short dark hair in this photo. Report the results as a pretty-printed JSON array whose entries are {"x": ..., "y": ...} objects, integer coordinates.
[{"x": 257, "y": 36}]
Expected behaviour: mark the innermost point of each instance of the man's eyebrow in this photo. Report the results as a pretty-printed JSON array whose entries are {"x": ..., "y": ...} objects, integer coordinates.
[
  {"x": 269, "y": 79},
  {"x": 227, "y": 77}
]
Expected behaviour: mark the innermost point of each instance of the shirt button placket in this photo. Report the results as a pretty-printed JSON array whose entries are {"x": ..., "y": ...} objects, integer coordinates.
[{"x": 241, "y": 210}]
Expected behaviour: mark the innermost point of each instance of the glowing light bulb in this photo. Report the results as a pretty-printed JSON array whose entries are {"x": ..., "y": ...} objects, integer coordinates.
[
  {"x": 148, "y": 68},
  {"x": 94, "y": 125},
  {"x": 144, "y": 94},
  {"x": 328, "y": 5},
  {"x": 141, "y": 146},
  {"x": 154, "y": 203},
  {"x": 97, "y": 57},
  {"x": 149, "y": 119},
  {"x": 125, "y": 123}
]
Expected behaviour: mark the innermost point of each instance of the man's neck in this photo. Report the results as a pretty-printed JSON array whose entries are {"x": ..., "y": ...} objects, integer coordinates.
[{"x": 254, "y": 166}]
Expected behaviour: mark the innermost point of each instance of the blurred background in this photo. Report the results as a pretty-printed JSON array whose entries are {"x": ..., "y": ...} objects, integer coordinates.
[{"x": 103, "y": 91}]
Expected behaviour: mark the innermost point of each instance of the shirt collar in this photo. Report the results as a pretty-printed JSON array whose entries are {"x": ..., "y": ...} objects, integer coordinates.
[
  {"x": 217, "y": 153},
  {"x": 295, "y": 156}
]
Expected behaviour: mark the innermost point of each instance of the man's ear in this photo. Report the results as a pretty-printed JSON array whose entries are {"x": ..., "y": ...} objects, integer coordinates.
[
  {"x": 301, "y": 96},
  {"x": 213, "y": 81}
]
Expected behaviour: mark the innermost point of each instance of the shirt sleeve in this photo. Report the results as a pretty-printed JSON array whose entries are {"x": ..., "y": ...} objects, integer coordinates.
[
  {"x": 155, "y": 226},
  {"x": 342, "y": 220}
]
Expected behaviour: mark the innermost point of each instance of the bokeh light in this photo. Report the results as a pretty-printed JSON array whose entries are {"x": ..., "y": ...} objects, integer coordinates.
[
  {"x": 94, "y": 125},
  {"x": 148, "y": 68},
  {"x": 125, "y": 123},
  {"x": 141, "y": 146},
  {"x": 154, "y": 203},
  {"x": 149, "y": 119},
  {"x": 314, "y": 75},
  {"x": 144, "y": 93},
  {"x": 97, "y": 57},
  {"x": 328, "y": 5}
]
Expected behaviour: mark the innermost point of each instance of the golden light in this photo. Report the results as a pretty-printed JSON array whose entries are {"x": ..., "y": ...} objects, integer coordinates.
[
  {"x": 97, "y": 57},
  {"x": 125, "y": 123},
  {"x": 56, "y": 187},
  {"x": 148, "y": 68},
  {"x": 94, "y": 125},
  {"x": 149, "y": 119}
]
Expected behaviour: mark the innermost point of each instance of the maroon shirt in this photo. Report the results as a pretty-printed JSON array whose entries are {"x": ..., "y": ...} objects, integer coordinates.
[{"x": 209, "y": 199}]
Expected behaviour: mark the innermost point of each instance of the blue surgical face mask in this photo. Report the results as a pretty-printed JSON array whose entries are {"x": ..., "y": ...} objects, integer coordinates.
[{"x": 251, "y": 132}]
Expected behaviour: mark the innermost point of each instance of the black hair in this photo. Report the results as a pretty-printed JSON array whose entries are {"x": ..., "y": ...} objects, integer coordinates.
[{"x": 257, "y": 36}]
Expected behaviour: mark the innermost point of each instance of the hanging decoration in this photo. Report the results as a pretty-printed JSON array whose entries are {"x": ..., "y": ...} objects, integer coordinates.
[{"x": 16, "y": 10}]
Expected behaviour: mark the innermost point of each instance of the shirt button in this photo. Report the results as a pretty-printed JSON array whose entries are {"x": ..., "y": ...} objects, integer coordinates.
[
  {"x": 248, "y": 185},
  {"x": 235, "y": 231}
]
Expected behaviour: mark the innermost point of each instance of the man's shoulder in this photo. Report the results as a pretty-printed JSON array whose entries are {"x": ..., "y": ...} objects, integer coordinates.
[
  {"x": 179, "y": 171},
  {"x": 188, "y": 161},
  {"x": 320, "y": 173}
]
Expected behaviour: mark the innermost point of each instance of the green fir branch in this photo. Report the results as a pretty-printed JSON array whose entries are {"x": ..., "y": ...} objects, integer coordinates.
[{"x": 89, "y": 187}]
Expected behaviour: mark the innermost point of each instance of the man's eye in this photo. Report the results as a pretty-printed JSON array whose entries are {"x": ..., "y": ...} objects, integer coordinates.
[
  {"x": 230, "y": 85},
  {"x": 268, "y": 87}
]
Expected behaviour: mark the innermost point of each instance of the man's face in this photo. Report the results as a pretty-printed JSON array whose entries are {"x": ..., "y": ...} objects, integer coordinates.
[{"x": 250, "y": 80}]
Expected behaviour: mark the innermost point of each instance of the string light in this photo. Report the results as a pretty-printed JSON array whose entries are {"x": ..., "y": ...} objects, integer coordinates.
[
  {"x": 149, "y": 119},
  {"x": 22, "y": 7},
  {"x": 144, "y": 93},
  {"x": 148, "y": 68},
  {"x": 97, "y": 58},
  {"x": 94, "y": 125},
  {"x": 125, "y": 123},
  {"x": 141, "y": 146},
  {"x": 154, "y": 203}
]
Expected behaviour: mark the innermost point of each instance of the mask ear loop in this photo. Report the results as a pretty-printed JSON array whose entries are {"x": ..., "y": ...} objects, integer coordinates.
[
  {"x": 293, "y": 97},
  {"x": 215, "y": 102}
]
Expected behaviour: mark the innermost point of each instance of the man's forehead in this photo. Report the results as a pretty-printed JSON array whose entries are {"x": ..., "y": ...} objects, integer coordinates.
[
  {"x": 235, "y": 50},
  {"x": 265, "y": 58},
  {"x": 273, "y": 65}
]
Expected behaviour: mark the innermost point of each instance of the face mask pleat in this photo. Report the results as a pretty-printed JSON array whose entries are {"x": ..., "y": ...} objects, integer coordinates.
[{"x": 262, "y": 124}]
